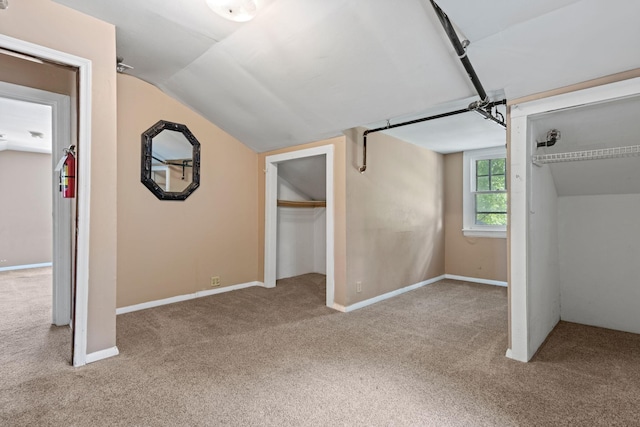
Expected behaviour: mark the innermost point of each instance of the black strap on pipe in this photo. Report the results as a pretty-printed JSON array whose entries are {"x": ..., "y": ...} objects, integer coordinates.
[{"x": 424, "y": 119}]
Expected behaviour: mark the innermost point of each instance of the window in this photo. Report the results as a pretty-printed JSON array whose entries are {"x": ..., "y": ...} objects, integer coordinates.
[{"x": 485, "y": 193}]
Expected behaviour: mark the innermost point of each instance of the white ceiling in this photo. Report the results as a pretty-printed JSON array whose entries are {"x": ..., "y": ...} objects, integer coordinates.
[
  {"x": 306, "y": 70},
  {"x": 603, "y": 125},
  {"x": 18, "y": 119}
]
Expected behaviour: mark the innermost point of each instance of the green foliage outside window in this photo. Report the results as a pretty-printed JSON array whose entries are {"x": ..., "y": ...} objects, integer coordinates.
[{"x": 491, "y": 194}]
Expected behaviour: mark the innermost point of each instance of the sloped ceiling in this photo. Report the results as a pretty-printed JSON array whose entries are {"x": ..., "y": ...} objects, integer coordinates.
[
  {"x": 306, "y": 70},
  {"x": 307, "y": 175}
]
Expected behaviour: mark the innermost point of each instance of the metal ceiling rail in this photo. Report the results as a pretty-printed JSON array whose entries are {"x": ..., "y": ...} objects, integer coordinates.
[
  {"x": 460, "y": 51},
  {"x": 412, "y": 122},
  {"x": 483, "y": 106}
]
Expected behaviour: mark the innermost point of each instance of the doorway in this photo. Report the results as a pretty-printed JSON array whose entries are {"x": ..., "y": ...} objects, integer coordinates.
[
  {"x": 37, "y": 53},
  {"x": 301, "y": 217},
  {"x": 543, "y": 262},
  {"x": 271, "y": 215},
  {"x": 44, "y": 118}
]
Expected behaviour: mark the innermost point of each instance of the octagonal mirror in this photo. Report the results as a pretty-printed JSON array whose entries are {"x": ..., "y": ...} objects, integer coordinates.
[{"x": 170, "y": 161}]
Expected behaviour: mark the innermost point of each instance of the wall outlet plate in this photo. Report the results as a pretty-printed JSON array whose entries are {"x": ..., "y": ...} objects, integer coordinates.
[
  {"x": 215, "y": 281},
  {"x": 358, "y": 287}
]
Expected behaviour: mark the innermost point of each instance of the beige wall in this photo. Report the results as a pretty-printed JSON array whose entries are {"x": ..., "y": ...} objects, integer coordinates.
[
  {"x": 395, "y": 230},
  {"x": 339, "y": 183},
  {"x": 478, "y": 257},
  {"x": 49, "y": 24},
  {"x": 25, "y": 211},
  {"x": 49, "y": 77},
  {"x": 169, "y": 248}
]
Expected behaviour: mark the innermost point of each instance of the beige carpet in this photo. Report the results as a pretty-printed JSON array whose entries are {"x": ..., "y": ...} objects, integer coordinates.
[{"x": 278, "y": 357}]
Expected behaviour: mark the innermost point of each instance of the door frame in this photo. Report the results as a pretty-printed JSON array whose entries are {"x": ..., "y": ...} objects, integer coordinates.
[
  {"x": 60, "y": 132},
  {"x": 522, "y": 347},
  {"x": 271, "y": 215},
  {"x": 83, "y": 65}
]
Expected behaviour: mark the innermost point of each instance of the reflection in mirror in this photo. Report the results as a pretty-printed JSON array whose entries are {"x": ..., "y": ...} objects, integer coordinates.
[{"x": 170, "y": 161}]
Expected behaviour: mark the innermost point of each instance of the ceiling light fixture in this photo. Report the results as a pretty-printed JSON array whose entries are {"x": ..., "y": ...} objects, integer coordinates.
[{"x": 234, "y": 10}]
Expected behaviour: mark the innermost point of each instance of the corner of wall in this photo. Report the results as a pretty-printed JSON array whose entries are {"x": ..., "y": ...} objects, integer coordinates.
[
  {"x": 476, "y": 257},
  {"x": 395, "y": 224}
]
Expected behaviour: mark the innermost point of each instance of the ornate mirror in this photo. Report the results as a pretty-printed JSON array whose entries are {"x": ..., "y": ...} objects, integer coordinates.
[{"x": 170, "y": 161}]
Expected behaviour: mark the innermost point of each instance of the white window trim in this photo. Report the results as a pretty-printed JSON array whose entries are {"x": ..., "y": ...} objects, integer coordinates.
[{"x": 469, "y": 227}]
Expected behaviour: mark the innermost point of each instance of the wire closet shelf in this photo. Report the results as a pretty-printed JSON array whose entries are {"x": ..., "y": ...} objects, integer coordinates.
[{"x": 603, "y": 153}]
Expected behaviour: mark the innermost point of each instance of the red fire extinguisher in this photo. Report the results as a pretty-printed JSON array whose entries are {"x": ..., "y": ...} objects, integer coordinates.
[{"x": 68, "y": 173}]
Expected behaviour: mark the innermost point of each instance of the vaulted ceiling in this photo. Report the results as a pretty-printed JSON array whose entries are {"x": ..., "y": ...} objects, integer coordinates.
[{"x": 305, "y": 70}]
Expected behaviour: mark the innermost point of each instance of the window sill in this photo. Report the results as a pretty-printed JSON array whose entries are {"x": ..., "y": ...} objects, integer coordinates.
[{"x": 495, "y": 234}]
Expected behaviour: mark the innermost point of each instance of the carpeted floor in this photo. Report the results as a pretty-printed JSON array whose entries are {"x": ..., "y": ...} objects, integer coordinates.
[{"x": 278, "y": 357}]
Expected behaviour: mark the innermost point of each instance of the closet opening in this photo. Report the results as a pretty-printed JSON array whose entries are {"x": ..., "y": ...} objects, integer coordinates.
[
  {"x": 574, "y": 206},
  {"x": 80, "y": 131},
  {"x": 299, "y": 218}
]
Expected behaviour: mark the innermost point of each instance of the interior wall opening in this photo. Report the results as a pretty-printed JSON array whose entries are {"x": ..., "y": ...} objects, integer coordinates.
[
  {"x": 573, "y": 236},
  {"x": 36, "y": 273},
  {"x": 299, "y": 217},
  {"x": 37, "y": 234}
]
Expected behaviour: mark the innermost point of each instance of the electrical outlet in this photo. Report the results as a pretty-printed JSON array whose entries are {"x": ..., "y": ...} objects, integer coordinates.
[
  {"x": 215, "y": 281},
  {"x": 358, "y": 287}
]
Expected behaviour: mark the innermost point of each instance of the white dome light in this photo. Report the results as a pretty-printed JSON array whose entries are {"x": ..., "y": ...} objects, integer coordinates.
[{"x": 234, "y": 10}]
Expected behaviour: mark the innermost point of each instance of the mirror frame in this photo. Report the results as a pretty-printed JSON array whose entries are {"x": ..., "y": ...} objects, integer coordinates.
[{"x": 147, "y": 150}]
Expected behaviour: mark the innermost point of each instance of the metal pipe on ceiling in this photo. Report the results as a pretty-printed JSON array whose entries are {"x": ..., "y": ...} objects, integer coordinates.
[
  {"x": 461, "y": 52},
  {"x": 485, "y": 112},
  {"x": 412, "y": 122},
  {"x": 482, "y": 106}
]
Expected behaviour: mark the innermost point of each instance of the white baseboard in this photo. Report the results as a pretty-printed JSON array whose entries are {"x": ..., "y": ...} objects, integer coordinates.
[
  {"x": 179, "y": 298},
  {"x": 102, "y": 354},
  {"x": 511, "y": 355},
  {"x": 361, "y": 304},
  {"x": 476, "y": 280},
  {"x": 383, "y": 297},
  {"x": 339, "y": 307},
  {"x": 26, "y": 266}
]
